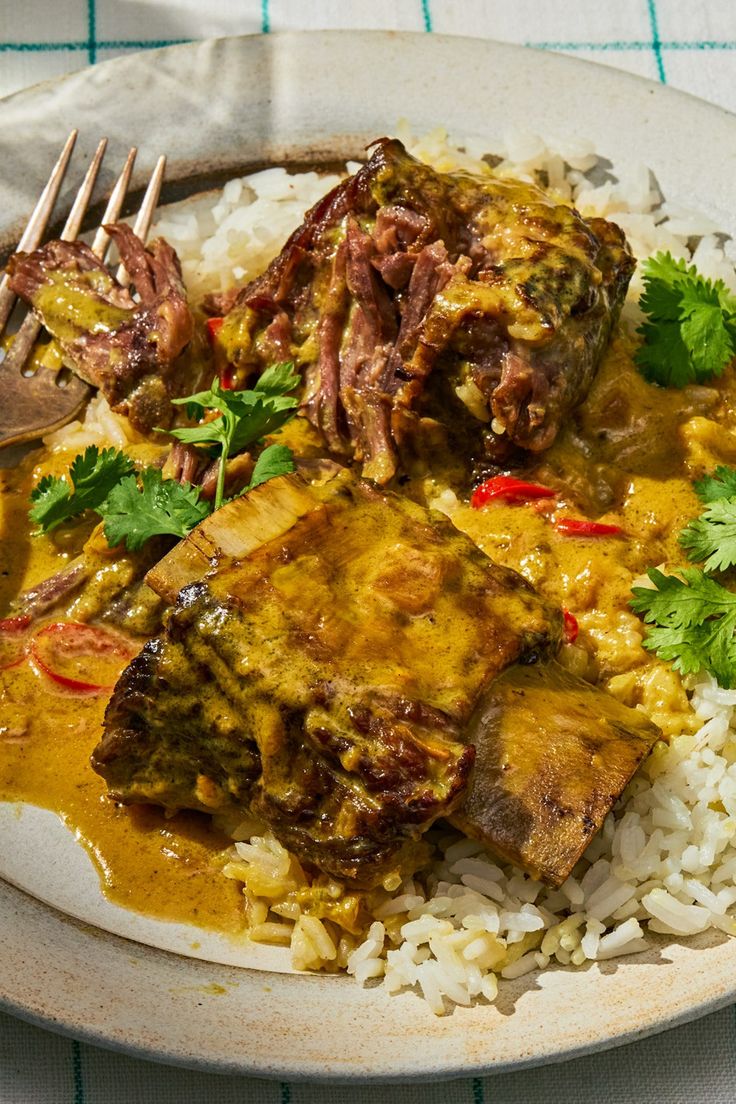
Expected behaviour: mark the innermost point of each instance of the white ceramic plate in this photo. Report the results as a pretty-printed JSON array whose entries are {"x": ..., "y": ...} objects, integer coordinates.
[{"x": 216, "y": 107}]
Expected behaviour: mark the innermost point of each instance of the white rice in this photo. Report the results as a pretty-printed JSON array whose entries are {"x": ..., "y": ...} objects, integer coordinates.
[
  {"x": 231, "y": 241},
  {"x": 665, "y": 860}
]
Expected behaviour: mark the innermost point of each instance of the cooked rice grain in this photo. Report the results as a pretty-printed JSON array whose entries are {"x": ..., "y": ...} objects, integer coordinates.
[{"x": 665, "y": 860}]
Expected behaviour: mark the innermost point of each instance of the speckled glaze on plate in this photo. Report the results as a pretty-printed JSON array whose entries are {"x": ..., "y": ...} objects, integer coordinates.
[{"x": 221, "y": 106}]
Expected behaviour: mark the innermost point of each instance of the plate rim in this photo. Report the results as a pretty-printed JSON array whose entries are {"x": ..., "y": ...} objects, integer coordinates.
[
  {"x": 314, "y": 1072},
  {"x": 13, "y": 900}
]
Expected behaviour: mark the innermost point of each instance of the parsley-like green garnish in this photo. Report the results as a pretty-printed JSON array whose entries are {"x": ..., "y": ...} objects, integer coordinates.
[
  {"x": 135, "y": 511},
  {"x": 694, "y": 615},
  {"x": 92, "y": 475},
  {"x": 721, "y": 484},
  {"x": 245, "y": 416},
  {"x": 274, "y": 460},
  {"x": 694, "y": 618},
  {"x": 690, "y": 331},
  {"x": 712, "y": 536}
]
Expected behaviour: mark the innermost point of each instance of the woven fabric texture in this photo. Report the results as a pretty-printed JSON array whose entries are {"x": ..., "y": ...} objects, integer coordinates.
[{"x": 689, "y": 45}]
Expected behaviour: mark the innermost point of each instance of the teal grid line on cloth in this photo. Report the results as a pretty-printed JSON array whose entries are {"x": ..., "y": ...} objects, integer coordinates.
[
  {"x": 692, "y": 46},
  {"x": 688, "y": 45},
  {"x": 694, "y": 1064},
  {"x": 92, "y": 29},
  {"x": 656, "y": 44}
]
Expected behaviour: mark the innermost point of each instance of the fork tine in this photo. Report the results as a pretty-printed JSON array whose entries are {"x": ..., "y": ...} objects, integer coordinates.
[
  {"x": 45, "y": 401},
  {"x": 26, "y": 336},
  {"x": 114, "y": 207},
  {"x": 37, "y": 222},
  {"x": 143, "y": 221},
  {"x": 74, "y": 220},
  {"x": 144, "y": 217}
]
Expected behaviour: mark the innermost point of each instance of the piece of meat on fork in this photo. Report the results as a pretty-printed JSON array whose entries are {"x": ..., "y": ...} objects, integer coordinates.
[{"x": 127, "y": 346}]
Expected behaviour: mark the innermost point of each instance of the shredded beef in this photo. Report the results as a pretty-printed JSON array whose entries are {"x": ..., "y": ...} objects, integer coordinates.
[{"x": 403, "y": 286}]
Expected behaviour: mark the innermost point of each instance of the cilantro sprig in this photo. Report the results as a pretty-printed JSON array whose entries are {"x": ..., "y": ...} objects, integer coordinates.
[
  {"x": 135, "y": 508},
  {"x": 690, "y": 330},
  {"x": 693, "y": 614},
  {"x": 92, "y": 475},
  {"x": 245, "y": 417},
  {"x": 136, "y": 511},
  {"x": 712, "y": 536},
  {"x": 694, "y": 618},
  {"x": 721, "y": 484}
]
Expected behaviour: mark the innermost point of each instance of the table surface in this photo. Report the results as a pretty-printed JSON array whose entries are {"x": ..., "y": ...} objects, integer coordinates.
[{"x": 691, "y": 46}]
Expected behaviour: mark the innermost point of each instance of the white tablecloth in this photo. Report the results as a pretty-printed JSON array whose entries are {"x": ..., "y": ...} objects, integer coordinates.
[{"x": 687, "y": 44}]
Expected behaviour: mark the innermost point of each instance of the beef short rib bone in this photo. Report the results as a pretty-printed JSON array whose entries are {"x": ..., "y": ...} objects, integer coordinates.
[
  {"x": 408, "y": 293},
  {"x": 323, "y": 667},
  {"x": 553, "y": 754}
]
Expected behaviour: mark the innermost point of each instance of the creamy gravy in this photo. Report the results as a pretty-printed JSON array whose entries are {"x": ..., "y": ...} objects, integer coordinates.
[
  {"x": 628, "y": 457},
  {"x": 166, "y": 868}
]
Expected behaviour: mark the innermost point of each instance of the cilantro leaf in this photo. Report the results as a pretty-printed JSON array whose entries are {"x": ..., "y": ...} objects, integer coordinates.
[
  {"x": 690, "y": 330},
  {"x": 92, "y": 475},
  {"x": 132, "y": 509},
  {"x": 51, "y": 498},
  {"x": 705, "y": 335},
  {"x": 722, "y": 484},
  {"x": 712, "y": 536},
  {"x": 278, "y": 379},
  {"x": 245, "y": 416},
  {"x": 134, "y": 512},
  {"x": 694, "y": 619},
  {"x": 273, "y": 461},
  {"x": 259, "y": 417},
  {"x": 664, "y": 357}
]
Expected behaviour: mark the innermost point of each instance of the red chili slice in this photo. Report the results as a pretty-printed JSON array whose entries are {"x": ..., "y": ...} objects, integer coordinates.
[
  {"x": 228, "y": 378},
  {"x": 570, "y": 626},
  {"x": 510, "y": 489},
  {"x": 13, "y": 641},
  {"x": 66, "y": 650},
  {"x": 576, "y": 527},
  {"x": 226, "y": 372}
]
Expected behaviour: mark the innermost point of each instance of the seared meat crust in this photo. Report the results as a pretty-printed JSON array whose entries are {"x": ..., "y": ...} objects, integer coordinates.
[
  {"x": 127, "y": 349},
  {"x": 324, "y": 680},
  {"x": 349, "y": 668},
  {"x": 407, "y": 292}
]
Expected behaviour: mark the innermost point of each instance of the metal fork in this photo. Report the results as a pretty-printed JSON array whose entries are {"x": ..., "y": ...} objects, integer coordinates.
[{"x": 34, "y": 402}]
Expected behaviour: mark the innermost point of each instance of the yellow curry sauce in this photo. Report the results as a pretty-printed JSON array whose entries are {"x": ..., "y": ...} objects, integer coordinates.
[
  {"x": 166, "y": 868},
  {"x": 628, "y": 458}
]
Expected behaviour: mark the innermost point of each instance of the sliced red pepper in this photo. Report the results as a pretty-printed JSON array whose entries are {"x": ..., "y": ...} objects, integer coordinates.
[
  {"x": 64, "y": 649},
  {"x": 228, "y": 378},
  {"x": 570, "y": 626},
  {"x": 225, "y": 372},
  {"x": 15, "y": 624},
  {"x": 577, "y": 527},
  {"x": 13, "y": 641},
  {"x": 509, "y": 488}
]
